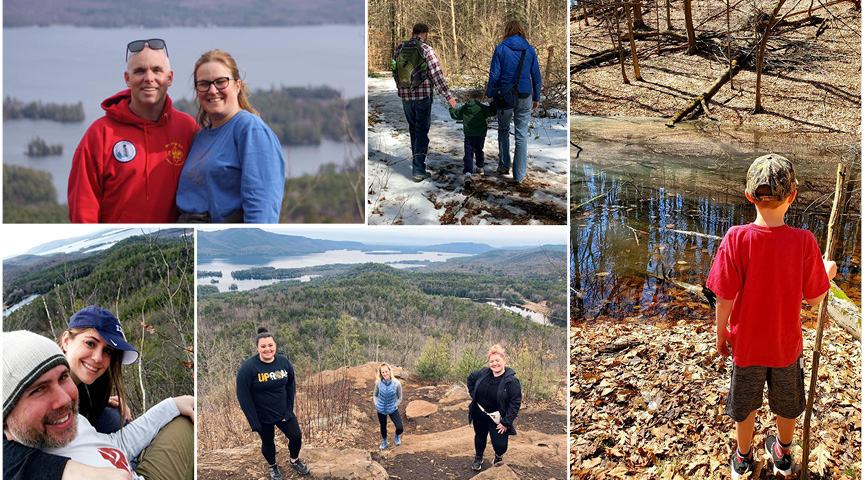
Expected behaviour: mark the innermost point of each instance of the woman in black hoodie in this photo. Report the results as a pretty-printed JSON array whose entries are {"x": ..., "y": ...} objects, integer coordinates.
[
  {"x": 266, "y": 391},
  {"x": 495, "y": 400}
]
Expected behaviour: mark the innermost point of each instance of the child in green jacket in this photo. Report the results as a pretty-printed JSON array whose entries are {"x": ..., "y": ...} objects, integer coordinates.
[{"x": 473, "y": 115}]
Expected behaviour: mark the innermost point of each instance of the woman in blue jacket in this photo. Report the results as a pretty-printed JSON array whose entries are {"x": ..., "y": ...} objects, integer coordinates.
[
  {"x": 496, "y": 397},
  {"x": 387, "y": 397},
  {"x": 505, "y": 64}
]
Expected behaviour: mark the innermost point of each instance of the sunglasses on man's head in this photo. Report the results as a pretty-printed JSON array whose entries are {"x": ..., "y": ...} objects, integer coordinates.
[{"x": 138, "y": 45}]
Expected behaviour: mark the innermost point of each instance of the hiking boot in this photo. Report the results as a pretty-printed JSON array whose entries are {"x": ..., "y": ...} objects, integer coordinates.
[
  {"x": 502, "y": 171},
  {"x": 740, "y": 465},
  {"x": 383, "y": 444},
  {"x": 498, "y": 460},
  {"x": 782, "y": 464},
  {"x": 397, "y": 441},
  {"x": 275, "y": 474},
  {"x": 477, "y": 464},
  {"x": 481, "y": 171},
  {"x": 299, "y": 467},
  {"x": 466, "y": 180},
  {"x": 418, "y": 178}
]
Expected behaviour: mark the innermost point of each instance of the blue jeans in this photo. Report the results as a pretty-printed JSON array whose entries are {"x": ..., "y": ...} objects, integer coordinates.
[
  {"x": 473, "y": 149},
  {"x": 419, "y": 116},
  {"x": 521, "y": 116}
]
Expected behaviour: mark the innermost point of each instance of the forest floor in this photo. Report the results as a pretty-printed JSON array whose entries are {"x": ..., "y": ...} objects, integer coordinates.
[
  {"x": 647, "y": 402},
  {"x": 393, "y": 198},
  {"x": 437, "y": 446},
  {"x": 811, "y": 82}
]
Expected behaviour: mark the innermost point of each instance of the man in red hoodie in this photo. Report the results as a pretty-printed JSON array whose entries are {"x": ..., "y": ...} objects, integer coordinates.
[{"x": 128, "y": 164}]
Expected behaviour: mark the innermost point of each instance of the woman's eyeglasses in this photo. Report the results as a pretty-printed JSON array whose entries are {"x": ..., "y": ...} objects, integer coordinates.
[
  {"x": 204, "y": 85},
  {"x": 138, "y": 45}
]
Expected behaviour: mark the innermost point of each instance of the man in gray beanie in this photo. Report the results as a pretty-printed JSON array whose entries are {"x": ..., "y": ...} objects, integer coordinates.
[{"x": 40, "y": 410}]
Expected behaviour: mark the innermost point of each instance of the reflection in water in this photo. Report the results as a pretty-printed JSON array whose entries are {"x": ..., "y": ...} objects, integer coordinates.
[{"x": 635, "y": 223}]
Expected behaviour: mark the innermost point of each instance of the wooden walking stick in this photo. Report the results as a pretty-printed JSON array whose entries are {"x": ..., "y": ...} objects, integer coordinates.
[{"x": 833, "y": 220}]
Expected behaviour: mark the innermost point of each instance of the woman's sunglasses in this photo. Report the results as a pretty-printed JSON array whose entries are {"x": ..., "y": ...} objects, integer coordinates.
[{"x": 153, "y": 43}]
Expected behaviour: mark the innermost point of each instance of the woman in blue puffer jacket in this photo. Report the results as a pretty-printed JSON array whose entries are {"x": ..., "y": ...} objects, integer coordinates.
[
  {"x": 505, "y": 64},
  {"x": 387, "y": 397}
]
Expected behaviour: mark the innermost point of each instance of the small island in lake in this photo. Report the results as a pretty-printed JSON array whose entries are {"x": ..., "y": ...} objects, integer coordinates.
[
  {"x": 38, "y": 147},
  {"x": 14, "y": 109}
]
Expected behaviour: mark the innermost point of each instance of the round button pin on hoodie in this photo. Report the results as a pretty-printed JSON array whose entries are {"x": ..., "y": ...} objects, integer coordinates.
[{"x": 124, "y": 151}]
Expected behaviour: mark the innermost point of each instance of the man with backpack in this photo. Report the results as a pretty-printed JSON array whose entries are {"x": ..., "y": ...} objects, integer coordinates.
[{"x": 416, "y": 69}]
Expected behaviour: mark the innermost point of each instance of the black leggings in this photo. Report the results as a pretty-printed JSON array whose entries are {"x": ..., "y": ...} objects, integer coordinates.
[
  {"x": 397, "y": 422},
  {"x": 483, "y": 427},
  {"x": 291, "y": 429}
]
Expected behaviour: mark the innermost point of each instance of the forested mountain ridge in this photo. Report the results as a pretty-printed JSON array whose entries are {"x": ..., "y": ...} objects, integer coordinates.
[
  {"x": 252, "y": 241},
  {"x": 347, "y": 318},
  {"x": 37, "y": 274},
  {"x": 147, "y": 282}
]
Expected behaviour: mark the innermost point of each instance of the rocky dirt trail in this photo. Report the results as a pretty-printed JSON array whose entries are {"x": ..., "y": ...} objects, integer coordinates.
[{"x": 437, "y": 442}]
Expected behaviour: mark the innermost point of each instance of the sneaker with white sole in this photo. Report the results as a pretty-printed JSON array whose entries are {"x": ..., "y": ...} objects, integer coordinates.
[
  {"x": 275, "y": 474},
  {"x": 299, "y": 467},
  {"x": 466, "y": 180},
  {"x": 418, "y": 178},
  {"x": 782, "y": 464},
  {"x": 383, "y": 444},
  {"x": 498, "y": 460},
  {"x": 397, "y": 440},
  {"x": 477, "y": 464}
]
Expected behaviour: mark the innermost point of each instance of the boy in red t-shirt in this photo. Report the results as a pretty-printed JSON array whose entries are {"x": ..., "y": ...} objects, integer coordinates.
[{"x": 760, "y": 273}]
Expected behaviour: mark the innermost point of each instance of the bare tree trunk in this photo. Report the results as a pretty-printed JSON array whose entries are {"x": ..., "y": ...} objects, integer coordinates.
[
  {"x": 688, "y": 24},
  {"x": 584, "y": 12},
  {"x": 620, "y": 47},
  {"x": 668, "y": 15},
  {"x": 636, "y": 72},
  {"x": 546, "y": 83},
  {"x": 638, "y": 21},
  {"x": 729, "y": 44},
  {"x": 760, "y": 57},
  {"x": 455, "y": 41},
  {"x": 657, "y": 17}
]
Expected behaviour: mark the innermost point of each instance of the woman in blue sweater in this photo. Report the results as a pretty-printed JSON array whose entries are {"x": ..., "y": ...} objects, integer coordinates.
[
  {"x": 387, "y": 397},
  {"x": 504, "y": 70},
  {"x": 235, "y": 170}
]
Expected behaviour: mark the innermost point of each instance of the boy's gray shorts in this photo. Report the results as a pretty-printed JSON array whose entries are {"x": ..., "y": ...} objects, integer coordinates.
[{"x": 785, "y": 390}]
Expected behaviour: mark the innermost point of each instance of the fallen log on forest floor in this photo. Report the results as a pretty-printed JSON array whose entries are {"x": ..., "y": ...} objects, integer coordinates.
[
  {"x": 703, "y": 98},
  {"x": 841, "y": 309}
]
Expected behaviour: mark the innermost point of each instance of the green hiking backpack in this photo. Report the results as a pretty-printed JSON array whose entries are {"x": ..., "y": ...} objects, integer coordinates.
[{"x": 409, "y": 67}]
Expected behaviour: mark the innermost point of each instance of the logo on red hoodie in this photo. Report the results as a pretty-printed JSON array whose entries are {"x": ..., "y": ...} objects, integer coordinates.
[{"x": 175, "y": 154}]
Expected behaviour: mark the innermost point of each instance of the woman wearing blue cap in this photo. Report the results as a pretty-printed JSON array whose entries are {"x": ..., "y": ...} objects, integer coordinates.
[{"x": 96, "y": 350}]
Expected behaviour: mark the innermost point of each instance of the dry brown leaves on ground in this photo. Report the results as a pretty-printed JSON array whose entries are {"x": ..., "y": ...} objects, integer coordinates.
[{"x": 647, "y": 402}]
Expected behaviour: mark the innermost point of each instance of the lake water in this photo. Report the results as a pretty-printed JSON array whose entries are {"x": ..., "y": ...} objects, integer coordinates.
[
  {"x": 330, "y": 257},
  {"x": 35, "y": 67}
]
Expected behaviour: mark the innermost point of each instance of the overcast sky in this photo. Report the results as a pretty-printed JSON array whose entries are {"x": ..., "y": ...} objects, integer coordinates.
[{"x": 18, "y": 239}]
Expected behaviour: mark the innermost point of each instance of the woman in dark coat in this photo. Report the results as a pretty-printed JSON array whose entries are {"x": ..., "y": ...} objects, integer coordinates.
[
  {"x": 495, "y": 400},
  {"x": 503, "y": 70}
]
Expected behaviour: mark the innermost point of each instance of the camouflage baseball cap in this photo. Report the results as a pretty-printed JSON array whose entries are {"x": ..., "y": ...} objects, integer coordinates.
[{"x": 773, "y": 171}]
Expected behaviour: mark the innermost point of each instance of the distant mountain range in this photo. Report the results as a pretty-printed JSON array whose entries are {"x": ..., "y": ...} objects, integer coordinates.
[
  {"x": 183, "y": 13},
  {"x": 255, "y": 242}
]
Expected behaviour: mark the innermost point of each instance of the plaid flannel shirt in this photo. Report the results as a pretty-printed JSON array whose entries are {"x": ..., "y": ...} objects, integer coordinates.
[{"x": 436, "y": 77}]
